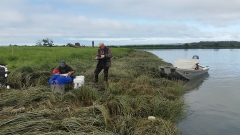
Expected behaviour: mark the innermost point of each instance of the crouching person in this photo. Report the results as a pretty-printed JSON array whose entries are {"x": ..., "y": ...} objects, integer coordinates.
[{"x": 57, "y": 82}]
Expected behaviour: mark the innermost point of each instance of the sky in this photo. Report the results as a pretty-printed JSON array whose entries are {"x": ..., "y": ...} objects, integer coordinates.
[{"x": 118, "y": 22}]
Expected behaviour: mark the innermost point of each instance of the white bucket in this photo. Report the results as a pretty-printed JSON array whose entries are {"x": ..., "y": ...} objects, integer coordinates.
[{"x": 78, "y": 81}]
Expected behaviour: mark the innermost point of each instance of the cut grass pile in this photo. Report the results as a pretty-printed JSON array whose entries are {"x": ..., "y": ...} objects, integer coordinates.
[{"x": 135, "y": 91}]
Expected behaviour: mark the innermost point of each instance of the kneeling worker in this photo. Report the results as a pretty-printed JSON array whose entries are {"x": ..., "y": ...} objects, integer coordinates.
[
  {"x": 63, "y": 68},
  {"x": 57, "y": 82}
]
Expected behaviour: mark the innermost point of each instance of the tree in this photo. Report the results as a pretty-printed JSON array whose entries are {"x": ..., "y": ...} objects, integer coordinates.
[
  {"x": 216, "y": 44},
  {"x": 47, "y": 42},
  {"x": 39, "y": 43}
]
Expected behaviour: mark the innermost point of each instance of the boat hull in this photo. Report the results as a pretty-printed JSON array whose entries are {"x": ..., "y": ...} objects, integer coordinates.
[{"x": 179, "y": 73}]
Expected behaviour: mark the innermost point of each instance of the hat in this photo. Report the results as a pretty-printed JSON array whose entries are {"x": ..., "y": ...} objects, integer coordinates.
[
  {"x": 101, "y": 43},
  {"x": 62, "y": 63},
  {"x": 55, "y": 71}
]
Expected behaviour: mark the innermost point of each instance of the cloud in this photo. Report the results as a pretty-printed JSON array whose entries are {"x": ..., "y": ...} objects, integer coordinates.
[{"x": 125, "y": 21}]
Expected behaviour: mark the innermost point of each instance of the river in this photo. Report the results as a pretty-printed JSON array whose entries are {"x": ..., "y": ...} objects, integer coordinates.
[{"x": 213, "y": 104}]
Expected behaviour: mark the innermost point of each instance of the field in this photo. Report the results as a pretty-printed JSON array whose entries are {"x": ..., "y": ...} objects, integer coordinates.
[{"x": 135, "y": 91}]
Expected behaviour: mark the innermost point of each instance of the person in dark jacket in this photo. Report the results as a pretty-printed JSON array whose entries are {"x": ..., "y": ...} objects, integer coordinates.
[
  {"x": 57, "y": 82},
  {"x": 103, "y": 56},
  {"x": 65, "y": 69}
]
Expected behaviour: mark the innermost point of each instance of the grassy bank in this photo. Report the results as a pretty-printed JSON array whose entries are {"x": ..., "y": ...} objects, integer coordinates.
[{"x": 134, "y": 92}]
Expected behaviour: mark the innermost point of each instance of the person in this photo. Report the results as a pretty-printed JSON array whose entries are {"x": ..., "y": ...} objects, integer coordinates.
[
  {"x": 57, "y": 82},
  {"x": 65, "y": 69},
  {"x": 103, "y": 56},
  {"x": 197, "y": 67}
]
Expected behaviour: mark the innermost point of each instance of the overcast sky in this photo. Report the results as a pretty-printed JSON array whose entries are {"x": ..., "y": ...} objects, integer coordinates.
[{"x": 118, "y": 22}]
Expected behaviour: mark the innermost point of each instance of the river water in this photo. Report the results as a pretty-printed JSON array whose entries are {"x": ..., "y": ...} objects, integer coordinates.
[{"x": 214, "y": 102}]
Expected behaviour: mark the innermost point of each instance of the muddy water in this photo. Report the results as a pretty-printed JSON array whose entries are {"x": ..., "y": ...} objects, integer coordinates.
[{"x": 213, "y": 100}]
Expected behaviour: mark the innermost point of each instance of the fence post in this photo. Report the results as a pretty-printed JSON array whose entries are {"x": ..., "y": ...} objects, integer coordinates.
[{"x": 92, "y": 44}]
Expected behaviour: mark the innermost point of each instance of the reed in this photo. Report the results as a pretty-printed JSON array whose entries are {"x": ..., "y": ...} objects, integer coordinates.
[{"x": 135, "y": 91}]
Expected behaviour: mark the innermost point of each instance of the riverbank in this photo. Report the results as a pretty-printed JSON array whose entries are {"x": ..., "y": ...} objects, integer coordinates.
[{"x": 135, "y": 91}]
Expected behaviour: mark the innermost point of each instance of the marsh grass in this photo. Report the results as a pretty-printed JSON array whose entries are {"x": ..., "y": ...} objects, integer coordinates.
[{"x": 134, "y": 91}]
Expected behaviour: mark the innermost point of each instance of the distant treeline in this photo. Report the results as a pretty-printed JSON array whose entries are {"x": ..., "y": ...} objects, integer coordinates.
[{"x": 194, "y": 45}]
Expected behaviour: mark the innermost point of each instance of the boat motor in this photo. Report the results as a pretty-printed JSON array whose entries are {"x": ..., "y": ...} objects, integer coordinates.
[{"x": 195, "y": 57}]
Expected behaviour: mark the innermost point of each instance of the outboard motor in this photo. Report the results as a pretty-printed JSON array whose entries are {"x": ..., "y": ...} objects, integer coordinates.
[
  {"x": 3, "y": 76},
  {"x": 195, "y": 57}
]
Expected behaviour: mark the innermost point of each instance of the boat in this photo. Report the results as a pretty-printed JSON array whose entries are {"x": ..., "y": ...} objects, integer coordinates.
[
  {"x": 186, "y": 69},
  {"x": 195, "y": 83}
]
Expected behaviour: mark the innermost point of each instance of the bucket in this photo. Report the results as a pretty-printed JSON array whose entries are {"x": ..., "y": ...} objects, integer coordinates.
[{"x": 78, "y": 81}]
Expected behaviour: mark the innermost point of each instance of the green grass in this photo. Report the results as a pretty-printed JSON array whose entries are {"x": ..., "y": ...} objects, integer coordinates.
[{"x": 135, "y": 91}]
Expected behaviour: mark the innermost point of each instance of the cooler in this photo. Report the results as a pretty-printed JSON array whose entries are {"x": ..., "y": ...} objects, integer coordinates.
[{"x": 78, "y": 81}]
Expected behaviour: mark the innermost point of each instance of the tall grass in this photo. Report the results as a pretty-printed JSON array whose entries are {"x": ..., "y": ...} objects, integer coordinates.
[{"x": 134, "y": 91}]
